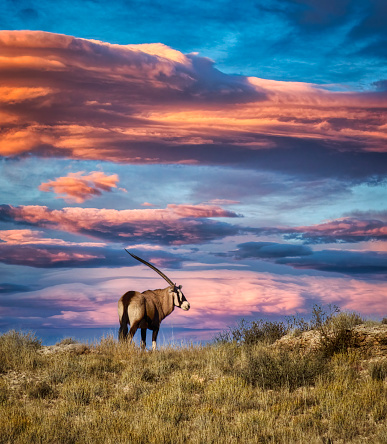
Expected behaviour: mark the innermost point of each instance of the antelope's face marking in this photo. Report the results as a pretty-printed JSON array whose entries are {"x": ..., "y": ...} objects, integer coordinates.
[
  {"x": 185, "y": 306},
  {"x": 179, "y": 299}
]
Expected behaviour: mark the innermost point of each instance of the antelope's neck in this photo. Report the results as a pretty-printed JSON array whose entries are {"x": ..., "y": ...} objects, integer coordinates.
[{"x": 167, "y": 302}]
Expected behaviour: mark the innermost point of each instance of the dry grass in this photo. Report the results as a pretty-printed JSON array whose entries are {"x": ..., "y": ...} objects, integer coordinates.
[{"x": 221, "y": 393}]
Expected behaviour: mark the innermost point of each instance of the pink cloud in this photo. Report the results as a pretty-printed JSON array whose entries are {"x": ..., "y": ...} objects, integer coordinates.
[
  {"x": 27, "y": 237},
  {"x": 223, "y": 202},
  {"x": 345, "y": 229},
  {"x": 200, "y": 211},
  {"x": 79, "y": 187},
  {"x": 176, "y": 224},
  {"x": 218, "y": 298}
]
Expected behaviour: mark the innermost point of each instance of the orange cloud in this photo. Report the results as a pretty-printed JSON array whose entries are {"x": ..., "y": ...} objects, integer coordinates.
[
  {"x": 88, "y": 99},
  {"x": 79, "y": 187},
  {"x": 14, "y": 95}
]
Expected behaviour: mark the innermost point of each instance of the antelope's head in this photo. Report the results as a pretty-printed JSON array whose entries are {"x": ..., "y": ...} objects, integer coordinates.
[{"x": 179, "y": 299}]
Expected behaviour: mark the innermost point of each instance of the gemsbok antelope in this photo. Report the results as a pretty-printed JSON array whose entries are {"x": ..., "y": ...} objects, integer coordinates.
[{"x": 146, "y": 310}]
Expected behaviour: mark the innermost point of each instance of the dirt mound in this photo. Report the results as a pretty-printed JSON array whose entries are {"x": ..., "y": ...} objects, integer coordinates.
[
  {"x": 75, "y": 348},
  {"x": 370, "y": 339}
]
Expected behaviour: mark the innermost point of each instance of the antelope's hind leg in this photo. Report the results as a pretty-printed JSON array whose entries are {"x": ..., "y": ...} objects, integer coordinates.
[
  {"x": 123, "y": 332},
  {"x": 143, "y": 338},
  {"x": 124, "y": 320}
]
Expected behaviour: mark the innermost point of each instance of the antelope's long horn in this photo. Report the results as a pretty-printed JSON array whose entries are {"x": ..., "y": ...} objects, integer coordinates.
[{"x": 151, "y": 266}]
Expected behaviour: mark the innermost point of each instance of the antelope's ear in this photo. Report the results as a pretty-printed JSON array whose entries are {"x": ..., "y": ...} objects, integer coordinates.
[{"x": 180, "y": 287}]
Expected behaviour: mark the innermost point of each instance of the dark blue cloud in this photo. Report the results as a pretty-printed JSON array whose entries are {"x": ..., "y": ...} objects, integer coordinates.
[
  {"x": 346, "y": 262},
  {"x": 302, "y": 257},
  {"x": 269, "y": 250},
  {"x": 6, "y": 287}
]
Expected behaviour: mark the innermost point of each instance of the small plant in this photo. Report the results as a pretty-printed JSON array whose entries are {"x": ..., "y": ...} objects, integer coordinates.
[
  {"x": 67, "y": 341},
  {"x": 378, "y": 370},
  {"x": 148, "y": 376},
  {"x": 249, "y": 333},
  {"x": 335, "y": 328},
  {"x": 40, "y": 390},
  {"x": 4, "y": 392},
  {"x": 384, "y": 321},
  {"x": 297, "y": 324}
]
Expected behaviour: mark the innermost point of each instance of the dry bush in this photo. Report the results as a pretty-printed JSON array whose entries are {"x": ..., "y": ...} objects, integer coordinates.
[
  {"x": 253, "y": 332},
  {"x": 67, "y": 341},
  {"x": 335, "y": 328},
  {"x": 19, "y": 351},
  {"x": 276, "y": 369}
]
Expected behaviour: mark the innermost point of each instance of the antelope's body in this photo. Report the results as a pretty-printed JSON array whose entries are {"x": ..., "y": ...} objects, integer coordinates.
[{"x": 146, "y": 310}]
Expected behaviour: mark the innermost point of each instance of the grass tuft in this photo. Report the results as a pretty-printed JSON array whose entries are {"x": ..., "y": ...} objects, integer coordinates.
[
  {"x": 274, "y": 369},
  {"x": 378, "y": 370}
]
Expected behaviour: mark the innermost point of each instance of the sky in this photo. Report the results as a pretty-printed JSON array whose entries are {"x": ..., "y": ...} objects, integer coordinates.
[{"x": 239, "y": 147}]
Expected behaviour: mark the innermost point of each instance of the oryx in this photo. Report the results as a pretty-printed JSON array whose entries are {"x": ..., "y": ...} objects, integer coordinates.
[{"x": 146, "y": 310}]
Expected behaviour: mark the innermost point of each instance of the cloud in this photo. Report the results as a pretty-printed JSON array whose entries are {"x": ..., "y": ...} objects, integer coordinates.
[
  {"x": 269, "y": 250},
  {"x": 347, "y": 262},
  {"x": 176, "y": 224},
  {"x": 6, "y": 287},
  {"x": 72, "y": 254},
  {"x": 223, "y": 202},
  {"x": 79, "y": 187},
  {"x": 149, "y": 103},
  {"x": 303, "y": 257},
  {"x": 218, "y": 298},
  {"x": 51, "y": 257},
  {"x": 346, "y": 229},
  {"x": 26, "y": 236}
]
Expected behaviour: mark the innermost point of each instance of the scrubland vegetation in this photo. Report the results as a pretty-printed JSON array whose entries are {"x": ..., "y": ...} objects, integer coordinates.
[{"x": 240, "y": 388}]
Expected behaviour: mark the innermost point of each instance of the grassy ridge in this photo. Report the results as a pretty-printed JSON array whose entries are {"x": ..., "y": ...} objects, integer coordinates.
[{"x": 230, "y": 391}]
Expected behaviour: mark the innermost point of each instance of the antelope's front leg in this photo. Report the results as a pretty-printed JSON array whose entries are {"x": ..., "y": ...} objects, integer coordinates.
[{"x": 154, "y": 339}]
